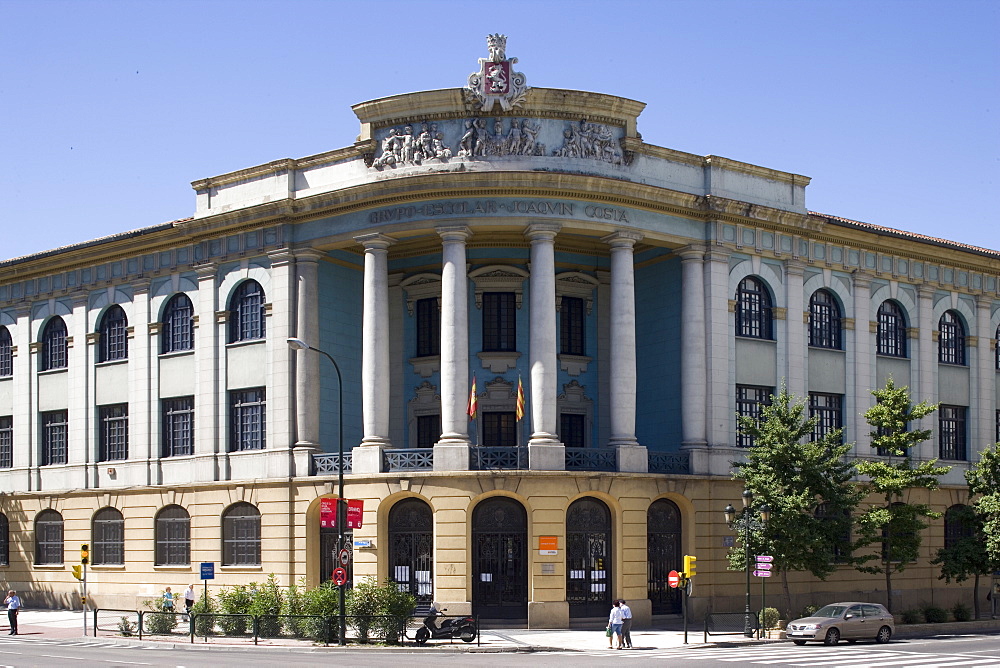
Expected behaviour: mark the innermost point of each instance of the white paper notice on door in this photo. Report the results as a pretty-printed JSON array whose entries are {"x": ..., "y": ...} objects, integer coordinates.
[
  {"x": 486, "y": 577},
  {"x": 402, "y": 573}
]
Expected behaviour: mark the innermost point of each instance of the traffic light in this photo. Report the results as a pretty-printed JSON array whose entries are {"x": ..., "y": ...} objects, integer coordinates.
[
  {"x": 85, "y": 553},
  {"x": 77, "y": 571},
  {"x": 690, "y": 565}
]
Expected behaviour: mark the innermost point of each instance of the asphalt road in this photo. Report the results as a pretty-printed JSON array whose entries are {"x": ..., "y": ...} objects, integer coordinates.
[{"x": 969, "y": 651}]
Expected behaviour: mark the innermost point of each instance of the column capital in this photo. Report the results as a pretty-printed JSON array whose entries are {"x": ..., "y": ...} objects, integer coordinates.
[
  {"x": 206, "y": 270},
  {"x": 691, "y": 253},
  {"x": 795, "y": 267},
  {"x": 141, "y": 285},
  {"x": 622, "y": 238},
  {"x": 860, "y": 279},
  {"x": 925, "y": 291},
  {"x": 454, "y": 232},
  {"x": 308, "y": 255},
  {"x": 542, "y": 231},
  {"x": 375, "y": 241},
  {"x": 281, "y": 257}
]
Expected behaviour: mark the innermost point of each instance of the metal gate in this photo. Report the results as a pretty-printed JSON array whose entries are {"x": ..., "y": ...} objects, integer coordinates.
[
  {"x": 411, "y": 548},
  {"x": 328, "y": 554},
  {"x": 663, "y": 554},
  {"x": 588, "y": 558},
  {"x": 500, "y": 559}
]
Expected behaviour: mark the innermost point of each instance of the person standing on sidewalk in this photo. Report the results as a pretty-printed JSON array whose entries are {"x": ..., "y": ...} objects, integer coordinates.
[
  {"x": 189, "y": 599},
  {"x": 13, "y": 603},
  {"x": 626, "y": 624},
  {"x": 615, "y": 623},
  {"x": 168, "y": 601}
]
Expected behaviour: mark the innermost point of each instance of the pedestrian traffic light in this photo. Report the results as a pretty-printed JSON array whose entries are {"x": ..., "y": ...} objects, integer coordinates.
[
  {"x": 78, "y": 571},
  {"x": 85, "y": 553},
  {"x": 690, "y": 565}
]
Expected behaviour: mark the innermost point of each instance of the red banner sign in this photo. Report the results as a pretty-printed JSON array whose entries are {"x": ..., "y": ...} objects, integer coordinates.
[
  {"x": 355, "y": 509},
  {"x": 327, "y": 513}
]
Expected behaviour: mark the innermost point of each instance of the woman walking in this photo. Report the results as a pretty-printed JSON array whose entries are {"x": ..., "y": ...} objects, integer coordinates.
[{"x": 615, "y": 624}]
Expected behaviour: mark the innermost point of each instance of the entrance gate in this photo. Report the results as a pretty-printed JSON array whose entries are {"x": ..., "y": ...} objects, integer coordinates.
[
  {"x": 588, "y": 558},
  {"x": 663, "y": 554},
  {"x": 411, "y": 548},
  {"x": 500, "y": 559}
]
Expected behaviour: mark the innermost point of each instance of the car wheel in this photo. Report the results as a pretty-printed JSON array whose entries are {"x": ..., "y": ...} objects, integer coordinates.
[
  {"x": 800, "y": 643},
  {"x": 883, "y": 635},
  {"x": 422, "y": 635},
  {"x": 832, "y": 636}
]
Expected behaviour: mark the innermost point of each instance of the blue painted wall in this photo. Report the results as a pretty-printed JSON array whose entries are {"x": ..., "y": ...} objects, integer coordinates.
[{"x": 340, "y": 309}]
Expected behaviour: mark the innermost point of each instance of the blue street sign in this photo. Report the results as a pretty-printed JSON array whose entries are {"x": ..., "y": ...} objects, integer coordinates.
[{"x": 208, "y": 570}]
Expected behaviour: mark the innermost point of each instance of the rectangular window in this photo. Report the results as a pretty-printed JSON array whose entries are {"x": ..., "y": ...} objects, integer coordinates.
[
  {"x": 114, "y": 432},
  {"x": 428, "y": 430},
  {"x": 750, "y": 401},
  {"x": 428, "y": 327},
  {"x": 499, "y": 322},
  {"x": 829, "y": 408},
  {"x": 951, "y": 431},
  {"x": 246, "y": 420},
  {"x": 499, "y": 428},
  {"x": 54, "y": 433},
  {"x": 178, "y": 426},
  {"x": 6, "y": 442},
  {"x": 571, "y": 430},
  {"x": 572, "y": 313}
]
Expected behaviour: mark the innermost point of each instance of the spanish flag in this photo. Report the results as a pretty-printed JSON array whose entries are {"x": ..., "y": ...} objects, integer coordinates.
[
  {"x": 520, "y": 399},
  {"x": 473, "y": 401}
]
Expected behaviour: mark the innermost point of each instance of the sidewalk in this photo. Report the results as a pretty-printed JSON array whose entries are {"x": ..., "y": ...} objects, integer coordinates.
[{"x": 67, "y": 625}]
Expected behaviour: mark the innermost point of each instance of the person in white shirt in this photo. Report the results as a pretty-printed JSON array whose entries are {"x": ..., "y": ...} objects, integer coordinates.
[
  {"x": 626, "y": 624},
  {"x": 13, "y": 603},
  {"x": 189, "y": 599},
  {"x": 615, "y": 623}
]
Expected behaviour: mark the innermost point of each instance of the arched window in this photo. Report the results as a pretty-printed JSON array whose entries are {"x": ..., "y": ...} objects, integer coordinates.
[
  {"x": 173, "y": 537},
  {"x": 48, "y": 538},
  {"x": 588, "y": 557},
  {"x": 824, "y": 320},
  {"x": 109, "y": 537},
  {"x": 4, "y": 541},
  {"x": 663, "y": 554},
  {"x": 246, "y": 312},
  {"x": 54, "y": 346},
  {"x": 241, "y": 535},
  {"x": 959, "y": 524},
  {"x": 6, "y": 353},
  {"x": 951, "y": 339},
  {"x": 411, "y": 548},
  {"x": 753, "y": 309},
  {"x": 114, "y": 335},
  {"x": 891, "y": 337},
  {"x": 178, "y": 325}
]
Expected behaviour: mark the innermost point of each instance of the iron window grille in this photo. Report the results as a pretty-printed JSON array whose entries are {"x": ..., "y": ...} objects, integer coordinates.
[
  {"x": 49, "y": 538},
  {"x": 891, "y": 335},
  {"x": 6, "y": 442},
  {"x": 54, "y": 432},
  {"x": 178, "y": 325},
  {"x": 572, "y": 427},
  {"x": 6, "y": 353},
  {"x": 114, "y": 335},
  {"x": 499, "y": 428},
  {"x": 754, "y": 313},
  {"x": 109, "y": 537},
  {"x": 246, "y": 313},
  {"x": 824, "y": 321},
  {"x": 114, "y": 432},
  {"x": 951, "y": 339},
  {"x": 829, "y": 408},
  {"x": 178, "y": 426},
  {"x": 428, "y": 327},
  {"x": 952, "y": 432},
  {"x": 572, "y": 318},
  {"x": 54, "y": 345},
  {"x": 247, "y": 420},
  {"x": 173, "y": 537},
  {"x": 750, "y": 402},
  {"x": 241, "y": 536},
  {"x": 499, "y": 322}
]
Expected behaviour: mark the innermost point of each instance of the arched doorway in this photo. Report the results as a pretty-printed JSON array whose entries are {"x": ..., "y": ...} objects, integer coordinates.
[
  {"x": 663, "y": 554},
  {"x": 500, "y": 559},
  {"x": 329, "y": 547},
  {"x": 588, "y": 558},
  {"x": 411, "y": 548}
]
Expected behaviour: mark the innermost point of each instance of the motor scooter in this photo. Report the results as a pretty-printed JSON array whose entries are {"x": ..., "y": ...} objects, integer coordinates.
[{"x": 454, "y": 627}]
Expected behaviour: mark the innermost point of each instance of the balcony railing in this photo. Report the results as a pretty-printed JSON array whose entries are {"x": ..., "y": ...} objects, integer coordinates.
[
  {"x": 498, "y": 458},
  {"x": 591, "y": 459},
  {"x": 669, "y": 462},
  {"x": 327, "y": 464},
  {"x": 410, "y": 459}
]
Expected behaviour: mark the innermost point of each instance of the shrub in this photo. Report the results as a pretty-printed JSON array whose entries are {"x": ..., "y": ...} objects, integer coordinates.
[
  {"x": 234, "y": 604},
  {"x": 912, "y": 617},
  {"x": 323, "y": 601},
  {"x": 935, "y": 615},
  {"x": 809, "y": 610},
  {"x": 377, "y": 609},
  {"x": 204, "y": 620},
  {"x": 961, "y": 612},
  {"x": 266, "y": 600},
  {"x": 768, "y": 618},
  {"x": 126, "y": 627},
  {"x": 294, "y": 604},
  {"x": 160, "y": 621}
]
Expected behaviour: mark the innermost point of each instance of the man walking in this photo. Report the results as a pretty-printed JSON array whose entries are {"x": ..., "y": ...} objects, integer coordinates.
[
  {"x": 13, "y": 603},
  {"x": 626, "y": 624}
]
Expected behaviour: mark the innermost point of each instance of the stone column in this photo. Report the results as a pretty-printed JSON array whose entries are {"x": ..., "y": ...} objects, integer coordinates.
[
  {"x": 209, "y": 356},
  {"x": 693, "y": 338},
  {"x": 926, "y": 359},
  {"x": 796, "y": 343},
  {"x": 451, "y": 452},
  {"x": 983, "y": 380},
  {"x": 864, "y": 365},
  {"x": 143, "y": 408},
  {"x": 25, "y": 385},
  {"x": 632, "y": 457},
  {"x": 375, "y": 353},
  {"x": 81, "y": 440},
  {"x": 720, "y": 343},
  {"x": 307, "y": 363},
  {"x": 545, "y": 452},
  {"x": 282, "y": 322}
]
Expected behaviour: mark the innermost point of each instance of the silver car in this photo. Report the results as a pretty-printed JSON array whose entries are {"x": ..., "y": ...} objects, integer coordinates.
[{"x": 851, "y": 621}]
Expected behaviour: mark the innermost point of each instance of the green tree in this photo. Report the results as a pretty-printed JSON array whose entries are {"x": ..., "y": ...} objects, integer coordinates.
[
  {"x": 808, "y": 485},
  {"x": 967, "y": 556},
  {"x": 894, "y": 525},
  {"x": 984, "y": 481}
]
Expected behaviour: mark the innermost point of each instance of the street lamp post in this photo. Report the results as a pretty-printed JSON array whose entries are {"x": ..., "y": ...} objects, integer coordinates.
[
  {"x": 299, "y": 344},
  {"x": 748, "y": 523}
]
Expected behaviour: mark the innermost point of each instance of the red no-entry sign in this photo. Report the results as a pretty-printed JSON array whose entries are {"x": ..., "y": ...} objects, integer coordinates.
[{"x": 673, "y": 579}]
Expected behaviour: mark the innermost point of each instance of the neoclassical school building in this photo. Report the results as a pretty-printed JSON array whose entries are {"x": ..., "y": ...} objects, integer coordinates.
[{"x": 471, "y": 240}]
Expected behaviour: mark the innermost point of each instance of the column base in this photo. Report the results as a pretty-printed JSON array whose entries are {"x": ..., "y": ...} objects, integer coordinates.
[
  {"x": 367, "y": 459},
  {"x": 451, "y": 456},
  {"x": 698, "y": 456},
  {"x": 302, "y": 455},
  {"x": 546, "y": 456},
  {"x": 632, "y": 459},
  {"x": 380, "y": 441}
]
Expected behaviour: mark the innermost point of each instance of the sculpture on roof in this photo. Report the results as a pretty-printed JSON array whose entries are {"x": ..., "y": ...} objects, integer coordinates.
[{"x": 496, "y": 81}]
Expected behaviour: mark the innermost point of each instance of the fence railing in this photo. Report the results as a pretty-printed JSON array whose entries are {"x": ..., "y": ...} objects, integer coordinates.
[
  {"x": 730, "y": 623},
  {"x": 669, "y": 462},
  {"x": 499, "y": 458},
  {"x": 591, "y": 459},
  {"x": 323, "y": 464},
  {"x": 409, "y": 459}
]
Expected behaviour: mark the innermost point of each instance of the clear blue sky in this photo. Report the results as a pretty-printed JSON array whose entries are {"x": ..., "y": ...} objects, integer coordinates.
[{"x": 108, "y": 110}]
